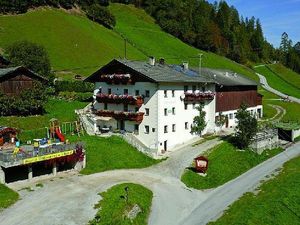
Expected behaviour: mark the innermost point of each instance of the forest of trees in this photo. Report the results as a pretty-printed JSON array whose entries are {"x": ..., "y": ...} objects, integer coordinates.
[{"x": 214, "y": 27}]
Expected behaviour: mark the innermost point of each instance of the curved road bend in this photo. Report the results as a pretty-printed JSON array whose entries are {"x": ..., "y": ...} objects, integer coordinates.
[{"x": 265, "y": 85}]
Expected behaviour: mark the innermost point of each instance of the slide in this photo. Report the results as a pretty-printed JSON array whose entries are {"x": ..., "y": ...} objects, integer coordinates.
[{"x": 60, "y": 136}]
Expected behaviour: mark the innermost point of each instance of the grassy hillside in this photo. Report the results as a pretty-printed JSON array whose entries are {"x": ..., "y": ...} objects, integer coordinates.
[
  {"x": 72, "y": 41},
  {"x": 79, "y": 45},
  {"x": 276, "y": 81},
  {"x": 141, "y": 30},
  {"x": 286, "y": 74}
]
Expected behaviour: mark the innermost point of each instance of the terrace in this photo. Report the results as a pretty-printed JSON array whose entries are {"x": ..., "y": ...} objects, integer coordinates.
[
  {"x": 29, "y": 154},
  {"x": 120, "y": 115}
]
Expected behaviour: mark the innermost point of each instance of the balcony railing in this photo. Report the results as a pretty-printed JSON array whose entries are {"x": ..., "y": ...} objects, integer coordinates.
[
  {"x": 117, "y": 99},
  {"x": 198, "y": 97},
  {"x": 116, "y": 78},
  {"x": 120, "y": 115}
]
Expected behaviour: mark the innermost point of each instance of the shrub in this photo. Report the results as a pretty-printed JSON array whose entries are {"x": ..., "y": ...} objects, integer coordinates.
[
  {"x": 73, "y": 86},
  {"x": 31, "y": 55},
  {"x": 101, "y": 15},
  {"x": 29, "y": 102}
]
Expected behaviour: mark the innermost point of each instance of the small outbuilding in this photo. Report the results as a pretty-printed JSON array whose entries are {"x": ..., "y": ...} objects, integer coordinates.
[{"x": 13, "y": 80}]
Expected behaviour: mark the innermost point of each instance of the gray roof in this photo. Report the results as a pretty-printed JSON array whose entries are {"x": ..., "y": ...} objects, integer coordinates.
[
  {"x": 166, "y": 73},
  {"x": 9, "y": 70},
  {"x": 176, "y": 74},
  {"x": 227, "y": 77}
]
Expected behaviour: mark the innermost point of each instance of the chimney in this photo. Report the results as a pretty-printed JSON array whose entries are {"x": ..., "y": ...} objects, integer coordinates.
[
  {"x": 185, "y": 65},
  {"x": 152, "y": 60},
  {"x": 162, "y": 61}
]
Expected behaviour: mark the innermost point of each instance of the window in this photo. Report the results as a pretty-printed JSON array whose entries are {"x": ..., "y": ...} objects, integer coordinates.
[
  {"x": 203, "y": 89},
  {"x": 166, "y": 129},
  {"x": 153, "y": 130},
  {"x": 146, "y": 111},
  {"x": 100, "y": 91},
  {"x": 174, "y": 128},
  {"x": 173, "y": 93},
  {"x": 185, "y": 106},
  {"x": 109, "y": 91},
  {"x": 105, "y": 106},
  {"x": 146, "y": 129},
  {"x": 173, "y": 110},
  {"x": 136, "y": 109},
  {"x": 137, "y": 92},
  {"x": 125, "y": 91},
  {"x": 194, "y": 105},
  {"x": 165, "y": 93},
  {"x": 166, "y": 112},
  {"x": 125, "y": 108},
  {"x": 194, "y": 88},
  {"x": 186, "y": 125},
  {"x": 186, "y": 88},
  {"x": 147, "y": 93},
  {"x": 230, "y": 116}
]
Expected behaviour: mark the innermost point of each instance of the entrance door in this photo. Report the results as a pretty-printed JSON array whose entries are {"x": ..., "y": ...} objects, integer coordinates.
[
  {"x": 165, "y": 146},
  {"x": 122, "y": 125}
]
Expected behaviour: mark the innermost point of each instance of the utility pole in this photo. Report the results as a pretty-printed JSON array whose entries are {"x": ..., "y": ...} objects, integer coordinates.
[
  {"x": 200, "y": 62},
  {"x": 125, "y": 48}
]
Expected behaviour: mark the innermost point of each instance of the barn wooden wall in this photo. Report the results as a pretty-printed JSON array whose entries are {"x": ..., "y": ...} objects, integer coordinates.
[
  {"x": 15, "y": 84},
  {"x": 232, "y": 100}
]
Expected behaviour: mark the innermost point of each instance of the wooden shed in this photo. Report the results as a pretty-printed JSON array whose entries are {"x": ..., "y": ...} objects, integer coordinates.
[{"x": 13, "y": 80}]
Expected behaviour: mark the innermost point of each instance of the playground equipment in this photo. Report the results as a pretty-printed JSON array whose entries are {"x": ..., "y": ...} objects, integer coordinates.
[{"x": 57, "y": 131}]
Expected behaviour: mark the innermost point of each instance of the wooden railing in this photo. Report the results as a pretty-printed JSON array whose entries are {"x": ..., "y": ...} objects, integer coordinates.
[
  {"x": 120, "y": 115},
  {"x": 117, "y": 99}
]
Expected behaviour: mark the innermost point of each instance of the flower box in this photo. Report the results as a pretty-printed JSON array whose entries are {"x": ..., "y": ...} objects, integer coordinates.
[
  {"x": 120, "y": 115},
  {"x": 116, "y": 78},
  {"x": 117, "y": 99},
  {"x": 201, "y": 96}
]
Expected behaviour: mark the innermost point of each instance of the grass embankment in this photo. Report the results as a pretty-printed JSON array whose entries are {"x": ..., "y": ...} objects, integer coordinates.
[
  {"x": 113, "y": 207},
  {"x": 225, "y": 163},
  {"x": 34, "y": 126},
  {"x": 277, "y": 203},
  {"x": 7, "y": 197},
  {"x": 276, "y": 82},
  {"x": 111, "y": 153},
  {"x": 286, "y": 74}
]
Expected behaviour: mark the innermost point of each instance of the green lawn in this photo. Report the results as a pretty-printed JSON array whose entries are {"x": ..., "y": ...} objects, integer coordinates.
[
  {"x": 225, "y": 164},
  {"x": 286, "y": 74},
  {"x": 34, "y": 126},
  {"x": 278, "y": 83},
  {"x": 7, "y": 197},
  {"x": 113, "y": 206},
  {"x": 111, "y": 153},
  {"x": 277, "y": 203}
]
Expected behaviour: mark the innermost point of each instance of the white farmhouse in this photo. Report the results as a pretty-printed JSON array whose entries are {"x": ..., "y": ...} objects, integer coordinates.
[{"x": 155, "y": 103}]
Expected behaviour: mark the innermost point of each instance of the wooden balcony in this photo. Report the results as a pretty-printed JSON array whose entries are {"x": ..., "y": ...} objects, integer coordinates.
[
  {"x": 118, "y": 99},
  {"x": 120, "y": 115},
  {"x": 116, "y": 78},
  {"x": 198, "y": 97}
]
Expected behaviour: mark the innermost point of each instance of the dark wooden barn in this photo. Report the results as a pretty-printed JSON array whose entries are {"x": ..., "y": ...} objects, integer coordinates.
[{"x": 14, "y": 80}]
